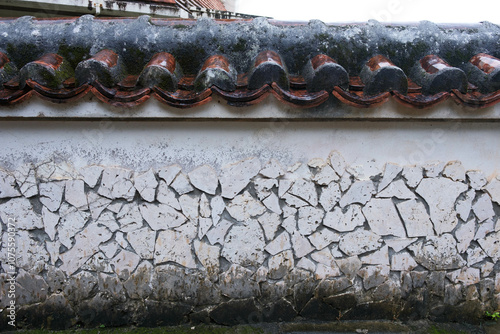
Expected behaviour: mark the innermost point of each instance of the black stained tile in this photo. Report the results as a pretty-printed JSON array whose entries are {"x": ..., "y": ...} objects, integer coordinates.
[{"x": 183, "y": 63}]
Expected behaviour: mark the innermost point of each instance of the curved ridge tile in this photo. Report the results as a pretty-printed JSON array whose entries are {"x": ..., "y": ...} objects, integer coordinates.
[
  {"x": 119, "y": 100},
  {"x": 420, "y": 101},
  {"x": 129, "y": 83},
  {"x": 50, "y": 70},
  {"x": 249, "y": 102},
  {"x": 323, "y": 73},
  {"x": 435, "y": 75},
  {"x": 13, "y": 84},
  {"x": 268, "y": 68},
  {"x": 356, "y": 84},
  {"x": 7, "y": 69},
  {"x": 114, "y": 73},
  {"x": 181, "y": 103},
  {"x": 216, "y": 71},
  {"x": 299, "y": 98},
  {"x": 131, "y": 96},
  {"x": 182, "y": 98},
  {"x": 120, "y": 95},
  {"x": 105, "y": 67},
  {"x": 297, "y": 82},
  {"x": 360, "y": 101},
  {"x": 63, "y": 95},
  {"x": 380, "y": 75},
  {"x": 12, "y": 97},
  {"x": 162, "y": 71},
  {"x": 242, "y": 95},
  {"x": 475, "y": 100},
  {"x": 483, "y": 71},
  {"x": 103, "y": 90}
]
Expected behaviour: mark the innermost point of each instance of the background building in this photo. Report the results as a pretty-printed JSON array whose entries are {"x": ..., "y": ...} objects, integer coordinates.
[{"x": 219, "y": 9}]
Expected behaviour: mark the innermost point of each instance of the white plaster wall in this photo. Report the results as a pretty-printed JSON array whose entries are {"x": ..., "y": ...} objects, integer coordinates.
[
  {"x": 144, "y": 144},
  {"x": 89, "y": 107},
  {"x": 276, "y": 229}
]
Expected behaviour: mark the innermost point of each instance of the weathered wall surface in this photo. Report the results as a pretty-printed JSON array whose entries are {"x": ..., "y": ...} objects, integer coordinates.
[
  {"x": 259, "y": 239},
  {"x": 140, "y": 145},
  {"x": 127, "y": 210}
]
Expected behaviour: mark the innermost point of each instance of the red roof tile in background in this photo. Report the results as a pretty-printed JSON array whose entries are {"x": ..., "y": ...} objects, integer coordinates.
[
  {"x": 163, "y": 2},
  {"x": 209, "y": 4},
  {"x": 212, "y": 4}
]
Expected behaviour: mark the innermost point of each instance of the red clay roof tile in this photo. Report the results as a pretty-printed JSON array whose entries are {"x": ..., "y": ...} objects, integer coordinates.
[
  {"x": 187, "y": 72},
  {"x": 211, "y": 4},
  {"x": 166, "y": 2},
  {"x": 208, "y": 4}
]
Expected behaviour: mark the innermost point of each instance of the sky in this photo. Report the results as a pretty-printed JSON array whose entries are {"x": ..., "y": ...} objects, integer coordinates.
[{"x": 330, "y": 11}]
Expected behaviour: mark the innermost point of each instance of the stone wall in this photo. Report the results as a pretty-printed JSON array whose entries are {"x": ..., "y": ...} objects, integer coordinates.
[{"x": 249, "y": 242}]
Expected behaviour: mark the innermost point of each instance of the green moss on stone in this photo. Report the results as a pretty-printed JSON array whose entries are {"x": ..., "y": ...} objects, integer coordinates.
[
  {"x": 436, "y": 330},
  {"x": 322, "y": 37},
  {"x": 73, "y": 54},
  {"x": 191, "y": 58},
  {"x": 22, "y": 53},
  {"x": 135, "y": 60},
  {"x": 240, "y": 46},
  {"x": 10, "y": 69}
]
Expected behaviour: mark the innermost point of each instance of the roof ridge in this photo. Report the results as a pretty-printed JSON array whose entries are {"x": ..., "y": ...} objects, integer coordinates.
[{"x": 184, "y": 62}]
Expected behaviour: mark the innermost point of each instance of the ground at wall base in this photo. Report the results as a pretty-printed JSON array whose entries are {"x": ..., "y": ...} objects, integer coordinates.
[{"x": 382, "y": 326}]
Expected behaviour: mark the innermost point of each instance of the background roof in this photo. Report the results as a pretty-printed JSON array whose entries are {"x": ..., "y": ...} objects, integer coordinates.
[{"x": 114, "y": 8}]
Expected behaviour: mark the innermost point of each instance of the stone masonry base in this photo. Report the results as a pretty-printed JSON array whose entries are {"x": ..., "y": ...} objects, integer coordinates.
[{"x": 251, "y": 242}]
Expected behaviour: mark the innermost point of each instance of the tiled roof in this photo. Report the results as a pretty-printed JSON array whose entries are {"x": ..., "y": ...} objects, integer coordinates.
[
  {"x": 185, "y": 63},
  {"x": 162, "y": 2},
  {"x": 187, "y": 4},
  {"x": 209, "y": 4}
]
